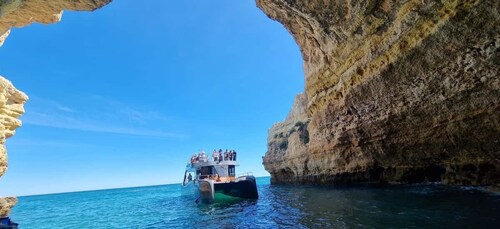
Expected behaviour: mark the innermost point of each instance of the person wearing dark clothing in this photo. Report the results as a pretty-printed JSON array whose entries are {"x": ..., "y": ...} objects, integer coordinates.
[
  {"x": 226, "y": 155},
  {"x": 234, "y": 155},
  {"x": 220, "y": 155}
]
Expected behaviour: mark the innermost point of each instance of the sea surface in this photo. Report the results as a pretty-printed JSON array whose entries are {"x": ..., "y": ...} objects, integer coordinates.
[{"x": 279, "y": 206}]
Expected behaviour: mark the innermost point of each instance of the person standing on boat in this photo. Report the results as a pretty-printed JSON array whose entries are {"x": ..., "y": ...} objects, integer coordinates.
[
  {"x": 234, "y": 155},
  {"x": 203, "y": 156},
  {"x": 196, "y": 157},
  {"x": 214, "y": 155},
  {"x": 220, "y": 155},
  {"x": 226, "y": 155}
]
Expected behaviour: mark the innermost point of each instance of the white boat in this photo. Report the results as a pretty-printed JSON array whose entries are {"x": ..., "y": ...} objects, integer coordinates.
[{"x": 211, "y": 177}]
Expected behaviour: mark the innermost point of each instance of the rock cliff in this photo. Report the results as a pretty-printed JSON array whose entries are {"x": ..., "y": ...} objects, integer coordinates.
[
  {"x": 19, "y": 13},
  {"x": 11, "y": 107},
  {"x": 6, "y": 205},
  {"x": 397, "y": 91}
]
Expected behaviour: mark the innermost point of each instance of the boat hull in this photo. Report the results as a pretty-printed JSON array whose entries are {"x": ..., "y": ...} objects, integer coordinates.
[
  {"x": 243, "y": 187},
  {"x": 207, "y": 190}
]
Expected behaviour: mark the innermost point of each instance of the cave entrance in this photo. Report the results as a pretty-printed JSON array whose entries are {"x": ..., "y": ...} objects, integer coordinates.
[{"x": 113, "y": 94}]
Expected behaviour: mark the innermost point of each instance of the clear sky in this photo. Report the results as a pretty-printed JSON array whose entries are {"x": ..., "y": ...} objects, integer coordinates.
[{"x": 123, "y": 96}]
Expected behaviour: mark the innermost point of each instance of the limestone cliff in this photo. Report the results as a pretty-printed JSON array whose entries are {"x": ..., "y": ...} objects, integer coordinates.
[
  {"x": 6, "y": 204},
  {"x": 397, "y": 91},
  {"x": 19, "y": 13},
  {"x": 11, "y": 107},
  {"x": 289, "y": 139}
]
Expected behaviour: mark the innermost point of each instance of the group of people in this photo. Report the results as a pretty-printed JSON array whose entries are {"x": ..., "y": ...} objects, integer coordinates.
[
  {"x": 218, "y": 156},
  {"x": 229, "y": 155}
]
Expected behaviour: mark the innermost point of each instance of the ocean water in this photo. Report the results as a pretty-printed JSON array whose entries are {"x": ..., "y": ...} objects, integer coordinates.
[{"x": 279, "y": 206}]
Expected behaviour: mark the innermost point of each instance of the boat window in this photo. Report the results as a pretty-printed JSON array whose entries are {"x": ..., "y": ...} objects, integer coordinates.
[
  {"x": 231, "y": 171},
  {"x": 207, "y": 170}
]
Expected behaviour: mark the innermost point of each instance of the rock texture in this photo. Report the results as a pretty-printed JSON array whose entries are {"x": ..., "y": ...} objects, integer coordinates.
[
  {"x": 397, "y": 91},
  {"x": 6, "y": 204},
  {"x": 11, "y": 108},
  {"x": 289, "y": 139},
  {"x": 19, "y": 13}
]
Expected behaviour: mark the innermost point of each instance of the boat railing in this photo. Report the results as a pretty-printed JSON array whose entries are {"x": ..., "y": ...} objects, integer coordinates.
[
  {"x": 205, "y": 159},
  {"x": 199, "y": 159},
  {"x": 244, "y": 174}
]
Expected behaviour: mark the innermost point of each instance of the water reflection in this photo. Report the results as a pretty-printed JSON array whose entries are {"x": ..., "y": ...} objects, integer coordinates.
[{"x": 368, "y": 206}]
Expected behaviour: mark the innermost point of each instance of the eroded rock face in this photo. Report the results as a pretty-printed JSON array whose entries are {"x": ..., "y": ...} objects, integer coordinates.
[
  {"x": 397, "y": 91},
  {"x": 19, "y": 13},
  {"x": 11, "y": 108},
  {"x": 6, "y": 204},
  {"x": 288, "y": 139}
]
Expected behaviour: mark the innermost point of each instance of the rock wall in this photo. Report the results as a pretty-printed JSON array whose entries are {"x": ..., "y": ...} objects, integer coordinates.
[
  {"x": 6, "y": 205},
  {"x": 289, "y": 139},
  {"x": 19, "y": 13},
  {"x": 396, "y": 91},
  {"x": 11, "y": 108}
]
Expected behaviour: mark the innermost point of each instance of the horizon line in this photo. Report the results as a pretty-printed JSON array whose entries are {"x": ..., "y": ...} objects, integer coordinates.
[{"x": 105, "y": 189}]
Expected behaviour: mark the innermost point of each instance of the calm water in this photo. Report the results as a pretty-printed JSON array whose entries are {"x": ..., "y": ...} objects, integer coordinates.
[{"x": 430, "y": 206}]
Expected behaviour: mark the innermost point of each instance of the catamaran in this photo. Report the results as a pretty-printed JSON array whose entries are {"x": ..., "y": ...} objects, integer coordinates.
[{"x": 218, "y": 176}]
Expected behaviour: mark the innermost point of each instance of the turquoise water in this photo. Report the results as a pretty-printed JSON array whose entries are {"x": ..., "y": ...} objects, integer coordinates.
[{"x": 167, "y": 206}]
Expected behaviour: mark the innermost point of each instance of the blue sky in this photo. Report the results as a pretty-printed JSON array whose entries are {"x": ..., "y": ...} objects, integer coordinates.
[{"x": 123, "y": 96}]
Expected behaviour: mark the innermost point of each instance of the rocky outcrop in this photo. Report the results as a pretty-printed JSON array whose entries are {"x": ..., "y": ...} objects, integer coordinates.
[
  {"x": 11, "y": 108},
  {"x": 396, "y": 91},
  {"x": 6, "y": 204},
  {"x": 19, "y": 13},
  {"x": 289, "y": 139}
]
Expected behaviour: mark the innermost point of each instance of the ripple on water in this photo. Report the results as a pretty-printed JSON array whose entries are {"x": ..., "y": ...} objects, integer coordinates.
[{"x": 279, "y": 206}]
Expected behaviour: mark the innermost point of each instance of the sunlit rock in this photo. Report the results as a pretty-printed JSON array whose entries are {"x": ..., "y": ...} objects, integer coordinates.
[
  {"x": 6, "y": 204},
  {"x": 20, "y": 13},
  {"x": 397, "y": 91},
  {"x": 11, "y": 107}
]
